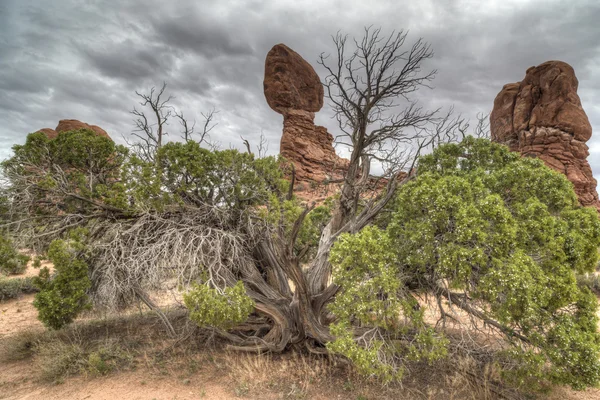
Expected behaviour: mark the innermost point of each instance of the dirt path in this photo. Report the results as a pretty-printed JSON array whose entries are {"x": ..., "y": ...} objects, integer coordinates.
[{"x": 127, "y": 385}]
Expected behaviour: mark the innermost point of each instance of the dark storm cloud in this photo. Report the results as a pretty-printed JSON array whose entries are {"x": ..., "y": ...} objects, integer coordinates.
[
  {"x": 129, "y": 62},
  {"x": 86, "y": 61},
  {"x": 195, "y": 33}
]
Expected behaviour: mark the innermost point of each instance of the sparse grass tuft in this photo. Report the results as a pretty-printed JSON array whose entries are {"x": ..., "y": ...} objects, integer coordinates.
[
  {"x": 56, "y": 360},
  {"x": 292, "y": 375},
  {"x": 101, "y": 347},
  {"x": 12, "y": 288},
  {"x": 592, "y": 281},
  {"x": 21, "y": 346},
  {"x": 109, "y": 356}
]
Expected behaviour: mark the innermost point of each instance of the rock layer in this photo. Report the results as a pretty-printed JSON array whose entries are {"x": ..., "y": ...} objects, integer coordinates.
[
  {"x": 69, "y": 125},
  {"x": 293, "y": 88},
  {"x": 542, "y": 116},
  {"x": 310, "y": 148}
]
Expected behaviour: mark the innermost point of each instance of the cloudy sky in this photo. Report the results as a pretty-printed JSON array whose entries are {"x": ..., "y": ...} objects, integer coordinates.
[{"x": 84, "y": 59}]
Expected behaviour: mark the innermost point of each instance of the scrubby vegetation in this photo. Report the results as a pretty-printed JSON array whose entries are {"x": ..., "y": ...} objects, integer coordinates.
[
  {"x": 12, "y": 288},
  {"x": 483, "y": 230},
  {"x": 470, "y": 237},
  {"x": 11, "y": 261},
  {"x": 64, "y": 295}
]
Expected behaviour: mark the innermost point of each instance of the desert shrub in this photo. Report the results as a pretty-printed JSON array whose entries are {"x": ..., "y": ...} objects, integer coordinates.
[
  {"x": 501, "y": 237},
  {"x": 37, "y": 262},
  {"x": 64, "y": 295},
  {"x": 77, "y": 172},
  {"x": 56, "y": 359},
  {"x": 11, "y": 261},
  {"x": 108, "y": 356},
  {"x": 591, "y": 281},
  {"x": 228, "y": 179},
  {"x": 11, "y": 288},
  {"x": 22, "y": 346},
  {"x": 211, "y": 307}
]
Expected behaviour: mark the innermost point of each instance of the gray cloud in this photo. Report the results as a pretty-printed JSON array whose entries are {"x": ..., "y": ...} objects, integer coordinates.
[{"x": 85, "y": 60}]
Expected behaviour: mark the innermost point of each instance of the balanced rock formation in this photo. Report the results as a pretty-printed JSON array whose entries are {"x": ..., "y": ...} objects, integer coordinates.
[
  {"x": 293, "y": 89},
  {"x": 72, "y": 124},
  {"x": 542, "y": 116}
]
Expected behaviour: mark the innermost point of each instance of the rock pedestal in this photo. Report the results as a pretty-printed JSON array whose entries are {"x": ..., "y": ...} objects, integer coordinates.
[
  {"x": 293, "y": 88},
  {"x": 542, "y": 116}
]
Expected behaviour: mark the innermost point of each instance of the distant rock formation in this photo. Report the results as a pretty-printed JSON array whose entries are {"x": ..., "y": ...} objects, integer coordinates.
[
  {"x": 69, "y": 125},
  {"x": 542, "y": 116},
  {"x": 50, "y": 133},
  {"x": 293, "y": 89}
]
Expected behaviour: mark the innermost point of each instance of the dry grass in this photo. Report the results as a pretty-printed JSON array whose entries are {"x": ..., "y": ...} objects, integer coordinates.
[
  {"x": 87, "y": 347},
  {"x": 298, "y": 376},
  {"x": 138, "y": 341},
  {"x": 292, "y": 376}
]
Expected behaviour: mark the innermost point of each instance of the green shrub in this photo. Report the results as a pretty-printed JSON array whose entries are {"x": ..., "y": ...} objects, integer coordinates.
[
  {"x": 591, "y": 281},
  {"x": 11, "y": 262},
  {"x": 11, "y": 288},
  {"x": 56, "y": 359},
  {"x": 37, "y": 262},
  {"x": 63, "y": 296},
  {"x": 208, "y": 307},
  {"x": 109, "y": 356},
  {"x": 503, "y": 237},
  {"x": 76, "y": 172}
]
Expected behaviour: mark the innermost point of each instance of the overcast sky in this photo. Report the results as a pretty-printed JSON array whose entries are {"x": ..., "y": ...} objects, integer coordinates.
[{"x": 84, "y": 59}]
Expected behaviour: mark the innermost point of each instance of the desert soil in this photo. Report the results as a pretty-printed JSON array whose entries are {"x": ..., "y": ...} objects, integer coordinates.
[{"x": 17, "y": 379}]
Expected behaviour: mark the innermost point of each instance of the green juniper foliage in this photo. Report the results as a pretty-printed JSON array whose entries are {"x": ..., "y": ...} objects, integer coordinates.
[
  {"x": 77, "y": 172},
  {"x": 210, "y": 307},
  {"x": 11, "y": 261},
  {"x": 227, "y": 178},
  {"x": 502, "y": 234},
  {"x": 63, "y": 295}
]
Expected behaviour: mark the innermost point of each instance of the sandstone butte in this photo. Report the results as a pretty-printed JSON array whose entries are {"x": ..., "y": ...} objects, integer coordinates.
[
  {"x": 293, "y": 88},
  {"x": 542, "y": 116},
  {"x": 71, "y": 124}
]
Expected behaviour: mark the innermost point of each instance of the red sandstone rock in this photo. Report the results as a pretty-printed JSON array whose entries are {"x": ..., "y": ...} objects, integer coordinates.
[
  {"x": 50, "y": 133},
  {"x": 72, "y": 124},
  {"x": 542, "y": 116},
  {"x": 290, "y": 82},
  {"x": 293, "y": 88},
  {"x": 310, "y": 148}
]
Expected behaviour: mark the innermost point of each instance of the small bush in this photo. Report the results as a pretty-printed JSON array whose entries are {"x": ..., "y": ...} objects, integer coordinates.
[
  {"x": 208, "y": 307},
  {"x": 21, "y": 346},
  {"x": 37, "y": 262},
  {"x": 591, "y": 281},
  {"x": 61, "y": 357},
  {"x": 11, "y": 262},
  {"x": 57, "y": 360},
  {"x": 64, "y": 296},
  {"x": 11, "y": 288},
  {"x": 108, "y": 357}
]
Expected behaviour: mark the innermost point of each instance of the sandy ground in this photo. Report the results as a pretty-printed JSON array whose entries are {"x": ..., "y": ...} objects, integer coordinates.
[
  {"x": 17, "y": 382},
  {"x": 17, "y": 315},
  {"x": 127, "y": 385}
]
